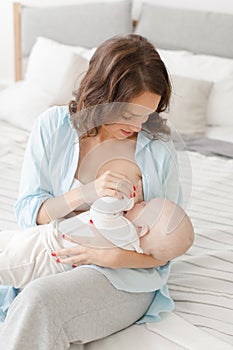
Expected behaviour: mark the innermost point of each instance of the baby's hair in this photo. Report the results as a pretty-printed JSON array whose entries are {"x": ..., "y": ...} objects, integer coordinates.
[{"x": 171, "y": 230}]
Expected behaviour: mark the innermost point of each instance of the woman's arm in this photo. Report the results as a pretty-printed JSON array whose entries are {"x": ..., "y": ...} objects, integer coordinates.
[
  {"x": 37, "y": 203},
  {"x": 104, "y": 254},
  {"x": 130, "y": 259},
  {"x": 59, "y": 207},
  {"x": 112, "y": 257},
  {"x": 106, "y": 184}
]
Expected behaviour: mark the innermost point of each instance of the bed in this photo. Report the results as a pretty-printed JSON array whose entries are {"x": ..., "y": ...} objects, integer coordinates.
[{"x": 201, "y": 281}]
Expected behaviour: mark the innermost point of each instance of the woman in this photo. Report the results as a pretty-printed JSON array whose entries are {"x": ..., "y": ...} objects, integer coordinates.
[{"x": 110, "y": 289}]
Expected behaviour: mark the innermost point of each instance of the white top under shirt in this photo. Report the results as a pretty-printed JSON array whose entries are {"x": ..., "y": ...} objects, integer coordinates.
[{"x": 75, "y": 184}]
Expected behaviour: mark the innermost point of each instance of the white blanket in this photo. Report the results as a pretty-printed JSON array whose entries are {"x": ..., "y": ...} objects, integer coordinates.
[{"x": 201, "y": 281}]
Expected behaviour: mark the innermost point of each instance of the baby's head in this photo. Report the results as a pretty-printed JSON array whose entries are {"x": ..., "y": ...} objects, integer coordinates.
[{"x": 170, "y": 232}]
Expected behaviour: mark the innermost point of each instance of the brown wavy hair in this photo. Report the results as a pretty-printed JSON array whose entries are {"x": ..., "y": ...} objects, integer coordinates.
[{"x": 123, "y": 67}]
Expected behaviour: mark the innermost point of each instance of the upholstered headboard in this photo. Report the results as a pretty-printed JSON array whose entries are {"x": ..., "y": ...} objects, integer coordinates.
[
  {"x": 84, "y": 24},
  {"x": 88, "y": 24}
]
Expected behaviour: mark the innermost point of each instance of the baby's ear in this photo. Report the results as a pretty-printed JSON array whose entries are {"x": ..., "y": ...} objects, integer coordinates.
[{"x": 143, "y": 230}]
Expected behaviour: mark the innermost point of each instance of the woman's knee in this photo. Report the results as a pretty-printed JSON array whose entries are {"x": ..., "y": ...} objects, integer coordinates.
[
  {"x": 34, "y": 293},
  {"x": 50, "y": 294},
  {"x": 39, "y": 292}
]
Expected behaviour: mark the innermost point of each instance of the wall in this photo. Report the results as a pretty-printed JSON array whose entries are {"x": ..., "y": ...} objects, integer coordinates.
[
  {"x": 6, "y": 23},
  {"x": 6, "y": 43}
]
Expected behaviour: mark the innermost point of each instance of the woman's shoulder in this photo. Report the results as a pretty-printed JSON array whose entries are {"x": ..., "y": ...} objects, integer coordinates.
[{"x": 54, "y": 117}]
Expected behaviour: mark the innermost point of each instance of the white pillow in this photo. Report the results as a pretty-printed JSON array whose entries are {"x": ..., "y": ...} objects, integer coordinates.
[
  {"x": 54, "y": 71},
  {"x": 56, "y": 68},
  {"x": 22, "y": 102},
  {"x": 211, "y": 68},
  {"x": 187, "y": 112}
]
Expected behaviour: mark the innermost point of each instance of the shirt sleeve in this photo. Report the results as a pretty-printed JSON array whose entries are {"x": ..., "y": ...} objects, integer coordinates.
[{"x": 35, "y": 184}]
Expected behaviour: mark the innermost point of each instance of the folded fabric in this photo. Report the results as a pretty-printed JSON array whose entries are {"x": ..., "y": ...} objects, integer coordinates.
[
  {"x": 7, "y": 295},
  {"x": 107, "y": 214},
  {"x": 204, "y": 145}
]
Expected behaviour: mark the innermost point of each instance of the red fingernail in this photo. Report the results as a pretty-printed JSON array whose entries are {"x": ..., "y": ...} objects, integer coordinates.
[
  {"x": 134, "y": 194},
  {"x": 63, "y": 236},
  {"x": 58, "y": 260},
  {"x": 90, "y": 221},
  {"x": 134, "y": 188},
  {"x": 74, "y": 266},
  {"x": 53, "y": 254},
  {"x": 131, "y": 195}
]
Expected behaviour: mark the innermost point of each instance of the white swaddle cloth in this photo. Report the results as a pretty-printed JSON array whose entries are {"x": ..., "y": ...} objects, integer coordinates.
[{"x": 107, "y": 216}]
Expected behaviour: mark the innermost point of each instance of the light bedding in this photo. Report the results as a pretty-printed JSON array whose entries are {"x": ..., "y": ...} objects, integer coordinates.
[
  {"x": 201, "y": 281},
  {"x": 12, "y": 146}
]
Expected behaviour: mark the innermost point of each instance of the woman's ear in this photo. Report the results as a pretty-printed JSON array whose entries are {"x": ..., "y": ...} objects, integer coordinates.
[{"x": 143, "y": 230}]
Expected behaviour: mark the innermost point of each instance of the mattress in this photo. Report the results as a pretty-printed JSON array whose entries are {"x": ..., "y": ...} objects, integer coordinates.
[{"x": 201, "y": 281}]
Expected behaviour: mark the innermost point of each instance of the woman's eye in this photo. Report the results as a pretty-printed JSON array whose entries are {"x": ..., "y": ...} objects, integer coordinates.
[{"x": 127, "y": 117}]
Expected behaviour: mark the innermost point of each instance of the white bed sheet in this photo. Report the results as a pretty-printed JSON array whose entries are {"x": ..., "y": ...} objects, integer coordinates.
[
  {"x": 201, "y": 281},
  {"x": 12, "y": 146}
]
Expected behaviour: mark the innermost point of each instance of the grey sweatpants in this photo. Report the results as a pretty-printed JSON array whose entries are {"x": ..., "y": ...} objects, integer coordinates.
[{"x": 80, "y": 305}]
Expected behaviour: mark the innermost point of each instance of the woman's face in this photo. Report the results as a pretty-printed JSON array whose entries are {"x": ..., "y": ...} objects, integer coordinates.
[{"x": 137, "y": 113}]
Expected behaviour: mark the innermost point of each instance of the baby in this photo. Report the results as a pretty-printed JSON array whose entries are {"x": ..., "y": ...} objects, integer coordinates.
[{"x": 159, "y": 228}]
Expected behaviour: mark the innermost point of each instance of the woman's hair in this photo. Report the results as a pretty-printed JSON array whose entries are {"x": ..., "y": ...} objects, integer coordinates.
[{"x": 122, "y": 68}]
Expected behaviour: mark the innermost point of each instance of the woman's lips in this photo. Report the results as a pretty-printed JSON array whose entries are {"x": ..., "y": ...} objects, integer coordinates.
[{"x": 126, "y": 133}]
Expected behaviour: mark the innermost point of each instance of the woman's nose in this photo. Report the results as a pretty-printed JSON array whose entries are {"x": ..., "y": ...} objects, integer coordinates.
[{"x": 136, "y": 128}]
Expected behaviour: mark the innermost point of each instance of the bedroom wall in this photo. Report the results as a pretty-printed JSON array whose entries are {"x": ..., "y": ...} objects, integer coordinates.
[
  {"x": 6, "y": 43},
  {"x": 6, "y": 23}
]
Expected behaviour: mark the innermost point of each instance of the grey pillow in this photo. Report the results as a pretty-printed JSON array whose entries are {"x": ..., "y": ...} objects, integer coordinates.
[
  {"x": 185, "y": 29},
  {"x": 187, "y": 112},
  {"x": 86, "y": 24}
]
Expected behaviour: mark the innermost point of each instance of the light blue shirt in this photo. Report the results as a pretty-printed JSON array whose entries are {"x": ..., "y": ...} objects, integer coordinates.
[
  {"x": 48, "y": 170},
  {"x": 7, "y": 295}
]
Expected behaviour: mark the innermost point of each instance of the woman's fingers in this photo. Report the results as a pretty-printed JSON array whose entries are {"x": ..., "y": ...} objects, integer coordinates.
[
  {"x": 116, "y": 190},
  {"x": 77, "y": 255},
  {"x": 69, "y": 251},
  {"x": 108, "y": 184},
  {"x": 117, "y": 182},
  {"x": 139, "y": 192},
  {"x": 75, "y": 259}
]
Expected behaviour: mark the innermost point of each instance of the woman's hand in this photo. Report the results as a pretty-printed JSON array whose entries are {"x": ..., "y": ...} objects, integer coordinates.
[
  {"x": 108, "y": 184},
  {"x": 86, "y": 255},
  {"x": 95, "y": 250},
  {"x": 82, "y": 255}
]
